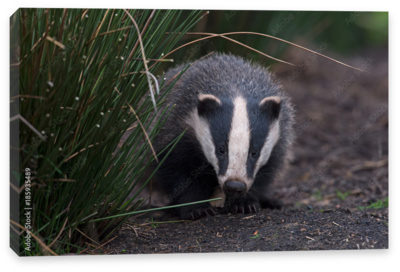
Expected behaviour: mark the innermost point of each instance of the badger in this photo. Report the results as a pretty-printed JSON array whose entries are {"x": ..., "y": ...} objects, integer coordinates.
[{"x": 237, "y": 128}]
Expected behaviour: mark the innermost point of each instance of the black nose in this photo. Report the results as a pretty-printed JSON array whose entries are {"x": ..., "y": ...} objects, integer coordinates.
[{"x": 234, "y": 187}]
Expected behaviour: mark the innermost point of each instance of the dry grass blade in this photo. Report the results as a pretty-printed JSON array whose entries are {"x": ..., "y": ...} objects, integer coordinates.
[
  {"x": 115, "y": 30},
  {"x": 251, "y": 48},
  {"x": 84, "y": 13},
  {"x": 43, "y": 36},
  {"x": 142, "y": 127},
  {"x": 155, "y": 82},
  {"x": 18, "y": 116},
  {"x": 80, "y": 151},
  {"x": 156, "y": 60},
  {"x": 369, "y": 165},
  {"x": 172, "y": 51},
  {"x": 100, "y": 246},
  {"x": 44, "y": 246},
  {"x": 34, "y": 46},
  {"x": 62, "y": 179},
  {"x": 55, "y": 42},
  {"x": 278, "y": 39},
  {"x": 59, "y": 234},
  {"x": 130, "y": 128},
  {"x": 102, "y": 22},
  {"x": 211, "y": 35},
  {"x": 183, "y": 45},
  {"x": 137, "y": 43},
  {"x": 87, "y": 238},
  {"x": 143, "y": 55},
  {"x": 16, "y": 189},
  {"x": 89, "y": 114},
  {"x": 27, "y": 96}
]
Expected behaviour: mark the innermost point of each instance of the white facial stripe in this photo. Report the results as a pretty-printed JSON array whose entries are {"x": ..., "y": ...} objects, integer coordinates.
[
  {"x": 203, "y": 135},
  {"x": 265, "y": 153},
  {"x": 239, "y": 142}
]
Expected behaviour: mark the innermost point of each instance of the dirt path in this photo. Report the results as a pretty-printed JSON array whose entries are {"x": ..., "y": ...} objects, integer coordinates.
[
  {"x": 266, "y": 231},
  {"x": 340, "y": 164}
]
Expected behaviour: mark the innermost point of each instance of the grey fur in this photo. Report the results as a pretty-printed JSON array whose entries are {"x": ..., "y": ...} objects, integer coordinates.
[
  {"x": 220, "y": 75},
  {"x": 224, "y": 75}
]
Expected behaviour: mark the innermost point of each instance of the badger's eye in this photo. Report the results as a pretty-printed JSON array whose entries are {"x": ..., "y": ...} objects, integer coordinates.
[
  {"x": 254, "y": 153},
  {"x": 221, "y": 150}
]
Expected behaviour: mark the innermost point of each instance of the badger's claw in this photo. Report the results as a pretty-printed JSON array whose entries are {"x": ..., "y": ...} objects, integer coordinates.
[
  {"x": 252, "y": 208},
  {"x": 242, "y": 206},
  {"x": 200, "y": 213}
]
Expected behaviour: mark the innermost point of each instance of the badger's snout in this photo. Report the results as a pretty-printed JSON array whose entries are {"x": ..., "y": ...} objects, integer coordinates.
[{"x": 234, "y": 187}]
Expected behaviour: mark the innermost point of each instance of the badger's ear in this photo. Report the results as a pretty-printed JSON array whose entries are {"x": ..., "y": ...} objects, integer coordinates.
[
  {"x": 207, "y": 103},
  {"x": 271, "y": 105}
]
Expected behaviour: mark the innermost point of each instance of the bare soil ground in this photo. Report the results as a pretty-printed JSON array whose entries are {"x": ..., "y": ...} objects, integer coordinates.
[{"x": 339, "y": 167}]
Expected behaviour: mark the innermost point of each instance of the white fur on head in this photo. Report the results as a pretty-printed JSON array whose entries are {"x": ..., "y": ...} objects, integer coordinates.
[
  {"x": 271, "y": 105},
  {"x": 270, "y": 142},
  {"x": 203, "y": 97},
  {"x": 203, "y": 135},
  {"x": 275, "y": 99},
  {"x": 239, "y": 143},
  {"x": 202, "y": 131}
]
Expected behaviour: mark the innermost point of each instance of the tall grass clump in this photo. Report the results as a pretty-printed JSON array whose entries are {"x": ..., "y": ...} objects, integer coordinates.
[{"x": 78, "y": 81}]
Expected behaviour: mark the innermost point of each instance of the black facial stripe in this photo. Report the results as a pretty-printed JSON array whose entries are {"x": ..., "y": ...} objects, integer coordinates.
[
  {"x": 259, "y": 127},
  {"x": 220, "y": 125}
]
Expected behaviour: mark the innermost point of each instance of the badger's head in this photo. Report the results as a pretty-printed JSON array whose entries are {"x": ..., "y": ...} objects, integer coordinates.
[{"x": 237, "y": 137}]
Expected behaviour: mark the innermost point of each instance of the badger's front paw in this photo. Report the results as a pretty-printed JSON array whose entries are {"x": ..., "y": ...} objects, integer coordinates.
[
  {"x": 242, "y": 205},
  {"x": 190, "y": 213},
  {"x": 202, "y": 212}
]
